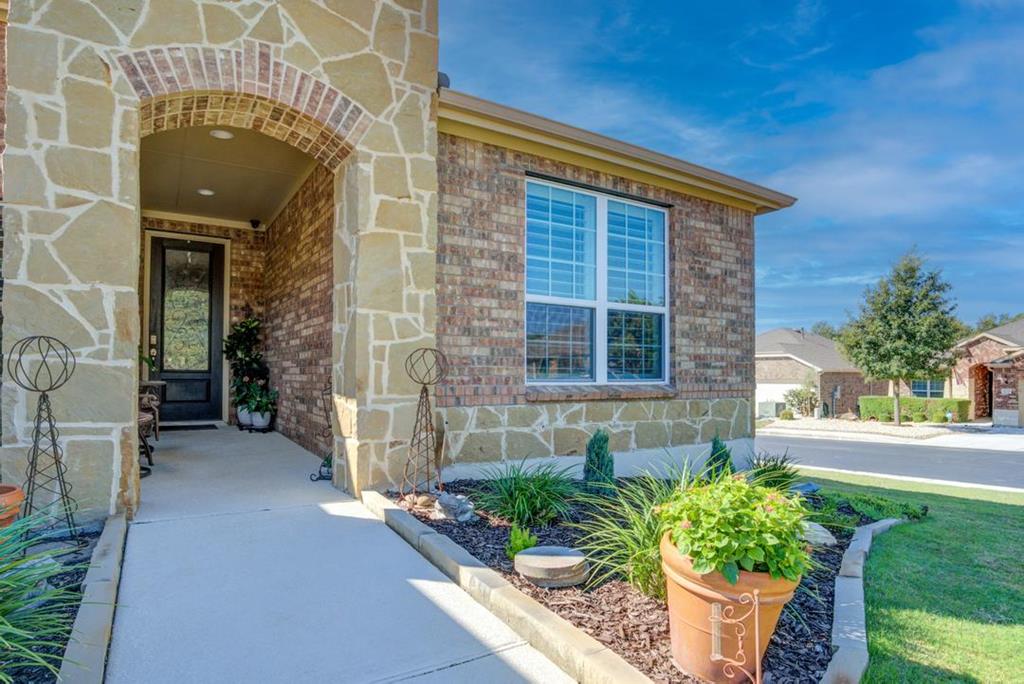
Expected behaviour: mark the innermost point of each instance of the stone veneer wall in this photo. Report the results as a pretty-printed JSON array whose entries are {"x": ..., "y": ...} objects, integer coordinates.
[
  {"x": 297, "y": 284},
  {"x": 85, "y": 80},
  {"x": 490, "y": 411}
]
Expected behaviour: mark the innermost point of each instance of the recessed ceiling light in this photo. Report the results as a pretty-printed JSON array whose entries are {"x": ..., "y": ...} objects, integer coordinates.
[
  {"x": 206, "y": 192},
  {"x": 221, "y": 134}
]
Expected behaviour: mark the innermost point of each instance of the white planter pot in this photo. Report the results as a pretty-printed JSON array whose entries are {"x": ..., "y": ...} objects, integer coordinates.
[
  {"x": 261, "y": 420},
  {"x": 244, "y": 417}
]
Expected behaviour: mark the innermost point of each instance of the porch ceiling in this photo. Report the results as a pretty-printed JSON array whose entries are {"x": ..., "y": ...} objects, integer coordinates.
[{"x": 251, "y": 174}]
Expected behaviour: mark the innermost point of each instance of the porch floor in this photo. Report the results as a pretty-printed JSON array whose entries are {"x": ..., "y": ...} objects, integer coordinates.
[{"x": 238, "y": 568}]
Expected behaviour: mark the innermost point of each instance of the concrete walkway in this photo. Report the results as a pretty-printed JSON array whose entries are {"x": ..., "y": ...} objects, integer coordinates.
[{"x": 239, "y": 569}]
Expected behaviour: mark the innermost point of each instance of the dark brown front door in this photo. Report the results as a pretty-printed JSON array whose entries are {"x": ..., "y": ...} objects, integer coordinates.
[{"x": 186, "y": 326}]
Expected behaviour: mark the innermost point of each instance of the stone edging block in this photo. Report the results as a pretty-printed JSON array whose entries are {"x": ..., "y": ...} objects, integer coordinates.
[
  {"x": 577, "y": 653},
  {"x": 85, "y": 657},
  {"x": 849, "y": 626}
]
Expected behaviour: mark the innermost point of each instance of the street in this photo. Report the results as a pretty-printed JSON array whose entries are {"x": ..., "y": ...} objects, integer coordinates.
[{"x": 966, "y": 466}]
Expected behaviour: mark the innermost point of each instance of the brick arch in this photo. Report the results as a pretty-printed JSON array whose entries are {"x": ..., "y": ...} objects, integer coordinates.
[{"x": 247, "y": 88}]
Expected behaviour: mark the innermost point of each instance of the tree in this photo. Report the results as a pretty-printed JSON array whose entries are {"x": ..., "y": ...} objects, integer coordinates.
[
  {"x": 825, "y": 329},
  {"x": 905, "y": 328},
  {"x": 989, "y": 321}
]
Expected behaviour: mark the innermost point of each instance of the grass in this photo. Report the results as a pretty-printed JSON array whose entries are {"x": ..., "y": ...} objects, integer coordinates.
[
  {"x": 528, "y": 496},
  {"x": 944, "y": 595}
]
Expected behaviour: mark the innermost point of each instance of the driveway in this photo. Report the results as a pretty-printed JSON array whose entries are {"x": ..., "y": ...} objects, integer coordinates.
[
  {"x": 961, "y": 466},
  {"x": 239, "y": 569}
]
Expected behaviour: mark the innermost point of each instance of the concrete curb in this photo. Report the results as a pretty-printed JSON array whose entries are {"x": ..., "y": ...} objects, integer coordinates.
[
  {"x": 85, "y": 658},
  {"x": 580, "y": 655},
  {"x": 849, "y": 626}
]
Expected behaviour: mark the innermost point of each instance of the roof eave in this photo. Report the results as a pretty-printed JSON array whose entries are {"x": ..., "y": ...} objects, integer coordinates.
[{"x": 460, "y": 109}]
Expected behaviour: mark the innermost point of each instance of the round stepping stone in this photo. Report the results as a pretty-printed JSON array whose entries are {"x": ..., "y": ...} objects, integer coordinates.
[{"x": 552, "y": 566}]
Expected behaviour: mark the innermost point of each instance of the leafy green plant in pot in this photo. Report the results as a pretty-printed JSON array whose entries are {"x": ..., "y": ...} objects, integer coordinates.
[
  {"x": 249, "y": 372},
  {"x": 262, "y": 404},
  {"x": 723, "y": 540}
]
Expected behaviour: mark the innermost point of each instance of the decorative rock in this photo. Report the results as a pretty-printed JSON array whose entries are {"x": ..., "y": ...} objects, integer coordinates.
[
  {"x": 817, "y": 535},
  {"x": 805, "y": 488},
  {"x": 552, "y": 566},
  {"x": 453, "y": 507}
]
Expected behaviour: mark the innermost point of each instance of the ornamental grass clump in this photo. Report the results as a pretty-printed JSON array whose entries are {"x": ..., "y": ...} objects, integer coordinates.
[
  {"x": 35, "y": 616},
  {"x": 622, "y": 530},
  {"x": 773, "y": 470},
  {"x": 528, "y": 497},
  {"x": 730, "y": 524}
]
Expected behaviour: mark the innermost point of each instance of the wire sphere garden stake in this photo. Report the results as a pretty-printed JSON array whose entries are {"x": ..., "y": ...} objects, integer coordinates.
[
  {"x": 426, "y": 367},
  {"x": 43, "y": 364}
]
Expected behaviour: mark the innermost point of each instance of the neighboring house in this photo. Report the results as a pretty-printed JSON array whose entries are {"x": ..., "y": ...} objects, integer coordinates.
[
  {"x": 574, "y": 282},
  {"x": 990, "y": 372},
  {"x": 787, "y": 358}
]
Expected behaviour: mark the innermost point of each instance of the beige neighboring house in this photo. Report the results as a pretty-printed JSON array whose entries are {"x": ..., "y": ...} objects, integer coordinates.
[
  {"x": 990, "y": 372},
  {"x": 786, "y": 358},
  {"x": 172, "y": 166}
]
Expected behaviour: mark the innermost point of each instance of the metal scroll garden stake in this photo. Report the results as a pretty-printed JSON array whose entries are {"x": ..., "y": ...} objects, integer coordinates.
[
  {"x": 44, "y": 364},
  {"x": 726, "y": 616},
  {"x": 427, "y": 367},
  {"x": 326, "y": 470}
]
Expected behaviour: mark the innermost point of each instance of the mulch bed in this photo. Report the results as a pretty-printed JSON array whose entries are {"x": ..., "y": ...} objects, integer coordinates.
[
  {"x": 636, "y": 626},
  {"x": 71, "y": 580}
]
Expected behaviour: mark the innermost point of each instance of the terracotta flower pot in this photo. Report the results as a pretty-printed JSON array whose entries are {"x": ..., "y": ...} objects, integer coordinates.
[
  {"x": 11, "y": 497},
  {"x": 690, "y": 600}
]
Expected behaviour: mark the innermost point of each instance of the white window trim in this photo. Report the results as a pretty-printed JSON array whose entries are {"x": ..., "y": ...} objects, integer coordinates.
[{"x": 601, "y": 305}]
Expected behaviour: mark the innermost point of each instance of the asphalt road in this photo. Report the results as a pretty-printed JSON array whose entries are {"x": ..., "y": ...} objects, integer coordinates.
[{"x": 968, "y": 466}]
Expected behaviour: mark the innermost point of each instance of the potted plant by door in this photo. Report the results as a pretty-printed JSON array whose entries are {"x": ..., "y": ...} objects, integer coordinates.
[
  {"x": 262, "y": 404},
  {"x": 11, "y": 498},
  {"x": 241, "y": 392},
  {"x": 724, "y": 540},
  {"x": 248, "y": 369}
]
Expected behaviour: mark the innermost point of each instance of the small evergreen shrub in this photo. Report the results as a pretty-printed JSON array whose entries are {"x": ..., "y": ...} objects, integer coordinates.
[
  {"x": 519, "y": 539},
  {"x": 599, "y": 467},
  {"x": 919, "y": 418},
  {"x": 786, "y": 414},
  {"x": 720, "y": 460},
  {"x": 938, "y": 416}
]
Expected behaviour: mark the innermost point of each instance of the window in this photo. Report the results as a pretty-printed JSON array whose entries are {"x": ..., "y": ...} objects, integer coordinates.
[
  {"x": 931, "y": 389},
  {"x": 596, "y": 288}
]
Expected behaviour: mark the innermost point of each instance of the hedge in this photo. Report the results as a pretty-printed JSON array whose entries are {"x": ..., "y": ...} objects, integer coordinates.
[{"x": 880, "y": 408}]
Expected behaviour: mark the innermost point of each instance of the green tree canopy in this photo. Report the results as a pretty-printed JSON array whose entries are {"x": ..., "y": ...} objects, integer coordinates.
[
  {"x": 989, "y": 321},
  {"x": 825, "y": 329},
  {"x": 905, "y": 328}
]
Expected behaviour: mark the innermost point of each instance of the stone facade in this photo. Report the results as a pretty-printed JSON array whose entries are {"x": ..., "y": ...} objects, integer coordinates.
[
  {"x": 351, "y": 83},
  {"x": 490, "y": 411},
  {"x": 296, "y": 299}
]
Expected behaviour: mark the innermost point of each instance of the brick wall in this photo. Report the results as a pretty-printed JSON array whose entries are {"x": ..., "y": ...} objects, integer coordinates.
[
  {"x": 480, "y": 282},
  {"x": 970, "y": 372},
  {"x": 1006, "y": 386},
  {"x": 246, "y": 255},
  {"x": 852, "y": 386},
  {"x": 782, "y": 370},
  {"x": 297, "y": 285}
]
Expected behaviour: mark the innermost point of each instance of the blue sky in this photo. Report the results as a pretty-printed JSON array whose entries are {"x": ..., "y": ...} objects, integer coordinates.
[{"x": 895, "y": 123}]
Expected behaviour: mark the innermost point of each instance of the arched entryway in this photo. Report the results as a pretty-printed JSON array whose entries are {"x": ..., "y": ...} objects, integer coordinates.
[{"x": 353, "y": 90}]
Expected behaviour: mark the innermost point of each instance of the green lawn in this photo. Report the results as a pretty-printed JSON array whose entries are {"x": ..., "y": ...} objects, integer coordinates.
[{"x": 945, "y": 596}]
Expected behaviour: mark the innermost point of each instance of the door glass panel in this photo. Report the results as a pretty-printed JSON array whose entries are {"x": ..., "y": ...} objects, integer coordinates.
[{"x": 186, "y": 331}]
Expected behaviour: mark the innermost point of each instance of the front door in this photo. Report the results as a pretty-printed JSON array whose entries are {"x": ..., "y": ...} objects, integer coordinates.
[{"x": 186, "y": 327}]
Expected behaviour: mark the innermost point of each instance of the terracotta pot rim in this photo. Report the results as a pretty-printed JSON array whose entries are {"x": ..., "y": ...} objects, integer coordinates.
[{"x": 713, "y": 585}]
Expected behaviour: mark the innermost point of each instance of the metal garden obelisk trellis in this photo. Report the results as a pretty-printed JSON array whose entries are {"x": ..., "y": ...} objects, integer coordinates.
[
  {"x": 43, "y": 364},
  {"x": 427, "y": 367}
]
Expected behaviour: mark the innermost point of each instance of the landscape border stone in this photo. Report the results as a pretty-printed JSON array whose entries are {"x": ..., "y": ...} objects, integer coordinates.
[
  {"x": 849, "y": 624},
  {"x": 85, "y": 658},
  {"x": 578, "y": 654}
]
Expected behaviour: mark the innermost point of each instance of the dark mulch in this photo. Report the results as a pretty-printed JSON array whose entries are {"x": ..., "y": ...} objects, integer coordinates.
[
  {"x": 71, "y": 580},
  {"x": 636, "y": 626}
]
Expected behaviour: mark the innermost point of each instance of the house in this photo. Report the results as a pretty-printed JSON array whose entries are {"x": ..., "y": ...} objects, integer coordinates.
[
  {"x": 990, "y": 372},
  {"x": 171, "y": 167},
  {"x": 786, "y": 358}
]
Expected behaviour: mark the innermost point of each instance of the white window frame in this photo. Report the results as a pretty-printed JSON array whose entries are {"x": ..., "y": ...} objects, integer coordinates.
[
  {"x": 601, "y": 305},
  {"x": 929, "y": 391}
]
